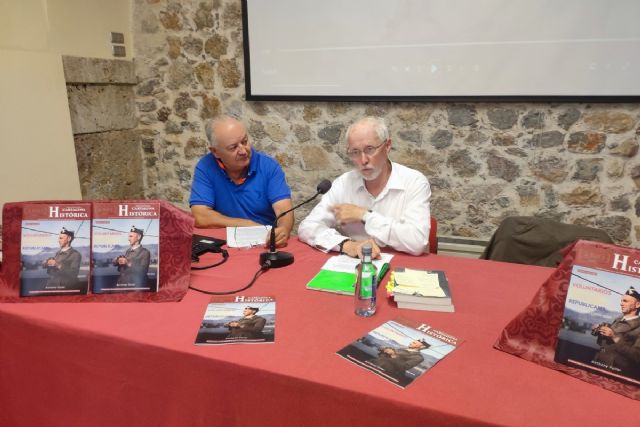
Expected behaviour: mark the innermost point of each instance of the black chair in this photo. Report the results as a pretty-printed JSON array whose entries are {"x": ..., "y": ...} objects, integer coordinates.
[{"x": 536, "y": 241}]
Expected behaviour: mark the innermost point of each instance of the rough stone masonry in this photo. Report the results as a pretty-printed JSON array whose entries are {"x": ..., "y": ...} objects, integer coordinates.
[{"x": 576, "y": 163}]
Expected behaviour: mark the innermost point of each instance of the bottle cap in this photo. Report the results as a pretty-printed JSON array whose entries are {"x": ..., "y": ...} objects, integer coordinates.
[{"x": 367, "y": 249}]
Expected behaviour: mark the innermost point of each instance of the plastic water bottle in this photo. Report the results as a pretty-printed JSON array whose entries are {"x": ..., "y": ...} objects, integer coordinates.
[{"x": 366, "y": 284}]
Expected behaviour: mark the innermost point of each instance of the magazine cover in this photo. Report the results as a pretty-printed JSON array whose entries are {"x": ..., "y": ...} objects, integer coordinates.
[
  {"x": 400, "y": 350},
  {"x": 600, "y": 329},
  {"x": 125, "y": 247},
  {"x": 55, "y": 249},
  {"x": 238, "y": 320}
]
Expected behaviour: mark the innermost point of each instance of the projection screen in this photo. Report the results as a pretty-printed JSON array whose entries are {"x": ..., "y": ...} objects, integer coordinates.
[{"x": 441, "y": 49}]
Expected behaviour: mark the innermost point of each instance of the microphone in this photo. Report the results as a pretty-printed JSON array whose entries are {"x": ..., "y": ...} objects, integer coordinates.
[{"x": 282, "y": 259}]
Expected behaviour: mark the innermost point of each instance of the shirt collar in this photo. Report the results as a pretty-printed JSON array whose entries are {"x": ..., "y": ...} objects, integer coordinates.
[
  {"x": 393, "y": 183},
  {"x": 251, "y": 169}
]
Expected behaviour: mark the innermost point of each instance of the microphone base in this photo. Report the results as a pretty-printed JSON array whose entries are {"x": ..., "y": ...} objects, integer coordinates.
[{"x": 277, "y": 259}]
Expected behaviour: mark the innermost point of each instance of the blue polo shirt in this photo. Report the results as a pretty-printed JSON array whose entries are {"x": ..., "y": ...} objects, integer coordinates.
[{"x": 265, "y": 184}]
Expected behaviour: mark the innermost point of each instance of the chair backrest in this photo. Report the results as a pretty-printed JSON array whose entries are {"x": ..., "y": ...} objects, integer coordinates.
[
  {"x": 537, "y": 241},
  {"x": 433, "y": 236}
]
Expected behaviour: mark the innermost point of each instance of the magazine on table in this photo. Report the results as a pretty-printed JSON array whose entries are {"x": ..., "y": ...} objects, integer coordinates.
[
  {"x": 55, "y": 249},
  {"x": 400, "y": 350},
  {"x": 125, "y": 247},
  {"x": 238, "y": 320},
  {"x": 600, "y": 330}
]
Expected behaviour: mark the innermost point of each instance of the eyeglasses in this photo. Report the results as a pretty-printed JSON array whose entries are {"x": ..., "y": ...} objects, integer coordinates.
[{"x": 368, "y": 151}]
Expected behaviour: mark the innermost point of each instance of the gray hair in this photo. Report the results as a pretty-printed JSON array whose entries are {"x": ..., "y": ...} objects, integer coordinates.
[
  {"x": 378, "y": 125},
  {"x": 210, "y": 125},
  {"x": 208, "y": 130}
]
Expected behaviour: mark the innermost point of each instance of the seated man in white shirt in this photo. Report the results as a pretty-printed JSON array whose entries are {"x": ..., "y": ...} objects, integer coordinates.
[{"x": 380, "y": 202}]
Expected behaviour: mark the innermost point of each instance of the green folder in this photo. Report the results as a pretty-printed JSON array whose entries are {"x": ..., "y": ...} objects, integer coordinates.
[{"x": 340, "y": 282}]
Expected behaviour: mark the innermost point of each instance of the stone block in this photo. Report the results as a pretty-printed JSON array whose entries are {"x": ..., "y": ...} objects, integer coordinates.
[
  {"x": 110, "y": 165},
  {"x": 586, "y": 142},
  {"x": 626, "y": 148},
  {"x": 547, "y": 139},
  {"x": 587, "y": 169},
  {"x": 610, "y": 121},
  {"x": 549, "y": 168},
  {"x": 462, "y": 163},
  {"x": 461, "y": 115},
  {"x": 617, "y": 226},
  {"x": 533, "y": 120},
  {"x": 502, "y": 168},
  {"x": 101, "y": 108},
  {"x": 582, "y": 196},
  {"x": 442, "y": 138},
  {"x": 568, "y": 118},
  {"x": 502, "y": 118},
  {"x": 97, "y": 70}
]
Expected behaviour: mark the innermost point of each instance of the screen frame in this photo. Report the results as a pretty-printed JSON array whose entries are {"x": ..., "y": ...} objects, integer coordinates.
[{"x": 250, "y": 96}]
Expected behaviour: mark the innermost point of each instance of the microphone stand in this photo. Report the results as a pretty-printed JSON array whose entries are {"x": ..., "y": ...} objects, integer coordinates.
[{"x": 275, "y": 258}]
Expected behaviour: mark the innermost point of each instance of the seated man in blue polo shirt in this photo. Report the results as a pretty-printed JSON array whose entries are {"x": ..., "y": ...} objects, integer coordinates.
[{"x": 235, "y": 185}]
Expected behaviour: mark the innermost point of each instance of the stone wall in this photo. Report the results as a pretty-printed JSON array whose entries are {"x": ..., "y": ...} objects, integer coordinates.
[
  {"x": 576, "y": 163},
  {"x": 103, "y": 120}
]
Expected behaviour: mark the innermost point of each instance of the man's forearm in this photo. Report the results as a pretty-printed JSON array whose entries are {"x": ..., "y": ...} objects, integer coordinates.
[
  {"x": 206, "y": 217},
  {"x": 287, "y": 222}
]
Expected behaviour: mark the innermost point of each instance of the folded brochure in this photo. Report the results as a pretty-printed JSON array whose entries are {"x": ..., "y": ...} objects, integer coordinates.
[{"x": 338, "y": 274}]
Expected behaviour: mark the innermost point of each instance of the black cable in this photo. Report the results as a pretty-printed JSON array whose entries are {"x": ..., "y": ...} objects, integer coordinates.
[
  {"x": 225, "y": 257},
  {"x": 264, "y": 267}
]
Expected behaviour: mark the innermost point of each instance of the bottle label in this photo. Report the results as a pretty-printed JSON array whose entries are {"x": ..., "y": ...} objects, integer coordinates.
[{"x": 368, "y": 284}]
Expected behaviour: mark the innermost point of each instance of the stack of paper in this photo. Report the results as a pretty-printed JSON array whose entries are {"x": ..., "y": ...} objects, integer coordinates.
[{"x": 421, "y": 289}]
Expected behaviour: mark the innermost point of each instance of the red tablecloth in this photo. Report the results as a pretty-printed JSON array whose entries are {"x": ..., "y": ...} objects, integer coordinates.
[{"x": 136, "y": 364}]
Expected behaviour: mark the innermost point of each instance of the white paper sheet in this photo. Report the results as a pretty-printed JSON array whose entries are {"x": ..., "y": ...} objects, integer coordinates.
[
  {"x": 347, "y": 264},
  {"x": 247, "y": 237}
]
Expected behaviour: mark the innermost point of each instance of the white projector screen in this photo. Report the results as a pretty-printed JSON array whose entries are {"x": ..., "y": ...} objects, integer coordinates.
[{"x": 442, "y": 49}]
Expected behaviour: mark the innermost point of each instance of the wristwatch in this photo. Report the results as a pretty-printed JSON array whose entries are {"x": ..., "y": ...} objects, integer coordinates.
[{"x": 341, "y": 245}]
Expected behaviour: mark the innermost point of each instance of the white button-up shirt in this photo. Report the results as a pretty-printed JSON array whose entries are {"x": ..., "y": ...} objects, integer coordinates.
[{"x": 400, "y": 216}]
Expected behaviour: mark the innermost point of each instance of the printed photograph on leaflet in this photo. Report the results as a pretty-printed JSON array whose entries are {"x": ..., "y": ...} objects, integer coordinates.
[
  {"x": 400, "y": 350},
  {"x": 600, "y": 329},
  {"x": 125, "y": 247},
  {"x": 238, "y": 320},
  {"x": 55, "y": 249}
]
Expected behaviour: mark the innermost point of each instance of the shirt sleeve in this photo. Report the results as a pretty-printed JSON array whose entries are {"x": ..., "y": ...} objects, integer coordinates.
[
  {"x": 409, "y": 232},
  {"x": 202, "y": 192},
  {"x": 277, "y": 186},
  {"x": 318, "y": 228}
]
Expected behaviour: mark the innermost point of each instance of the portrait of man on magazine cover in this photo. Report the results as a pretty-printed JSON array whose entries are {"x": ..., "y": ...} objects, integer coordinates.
[
  {"x": 133, "y": 266},
  {"x": 249, "y": 326},
  {"x": 619, "y": 341},
  {"x": 63, "y": 268},
  {"x": 397, "y": 361}
]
